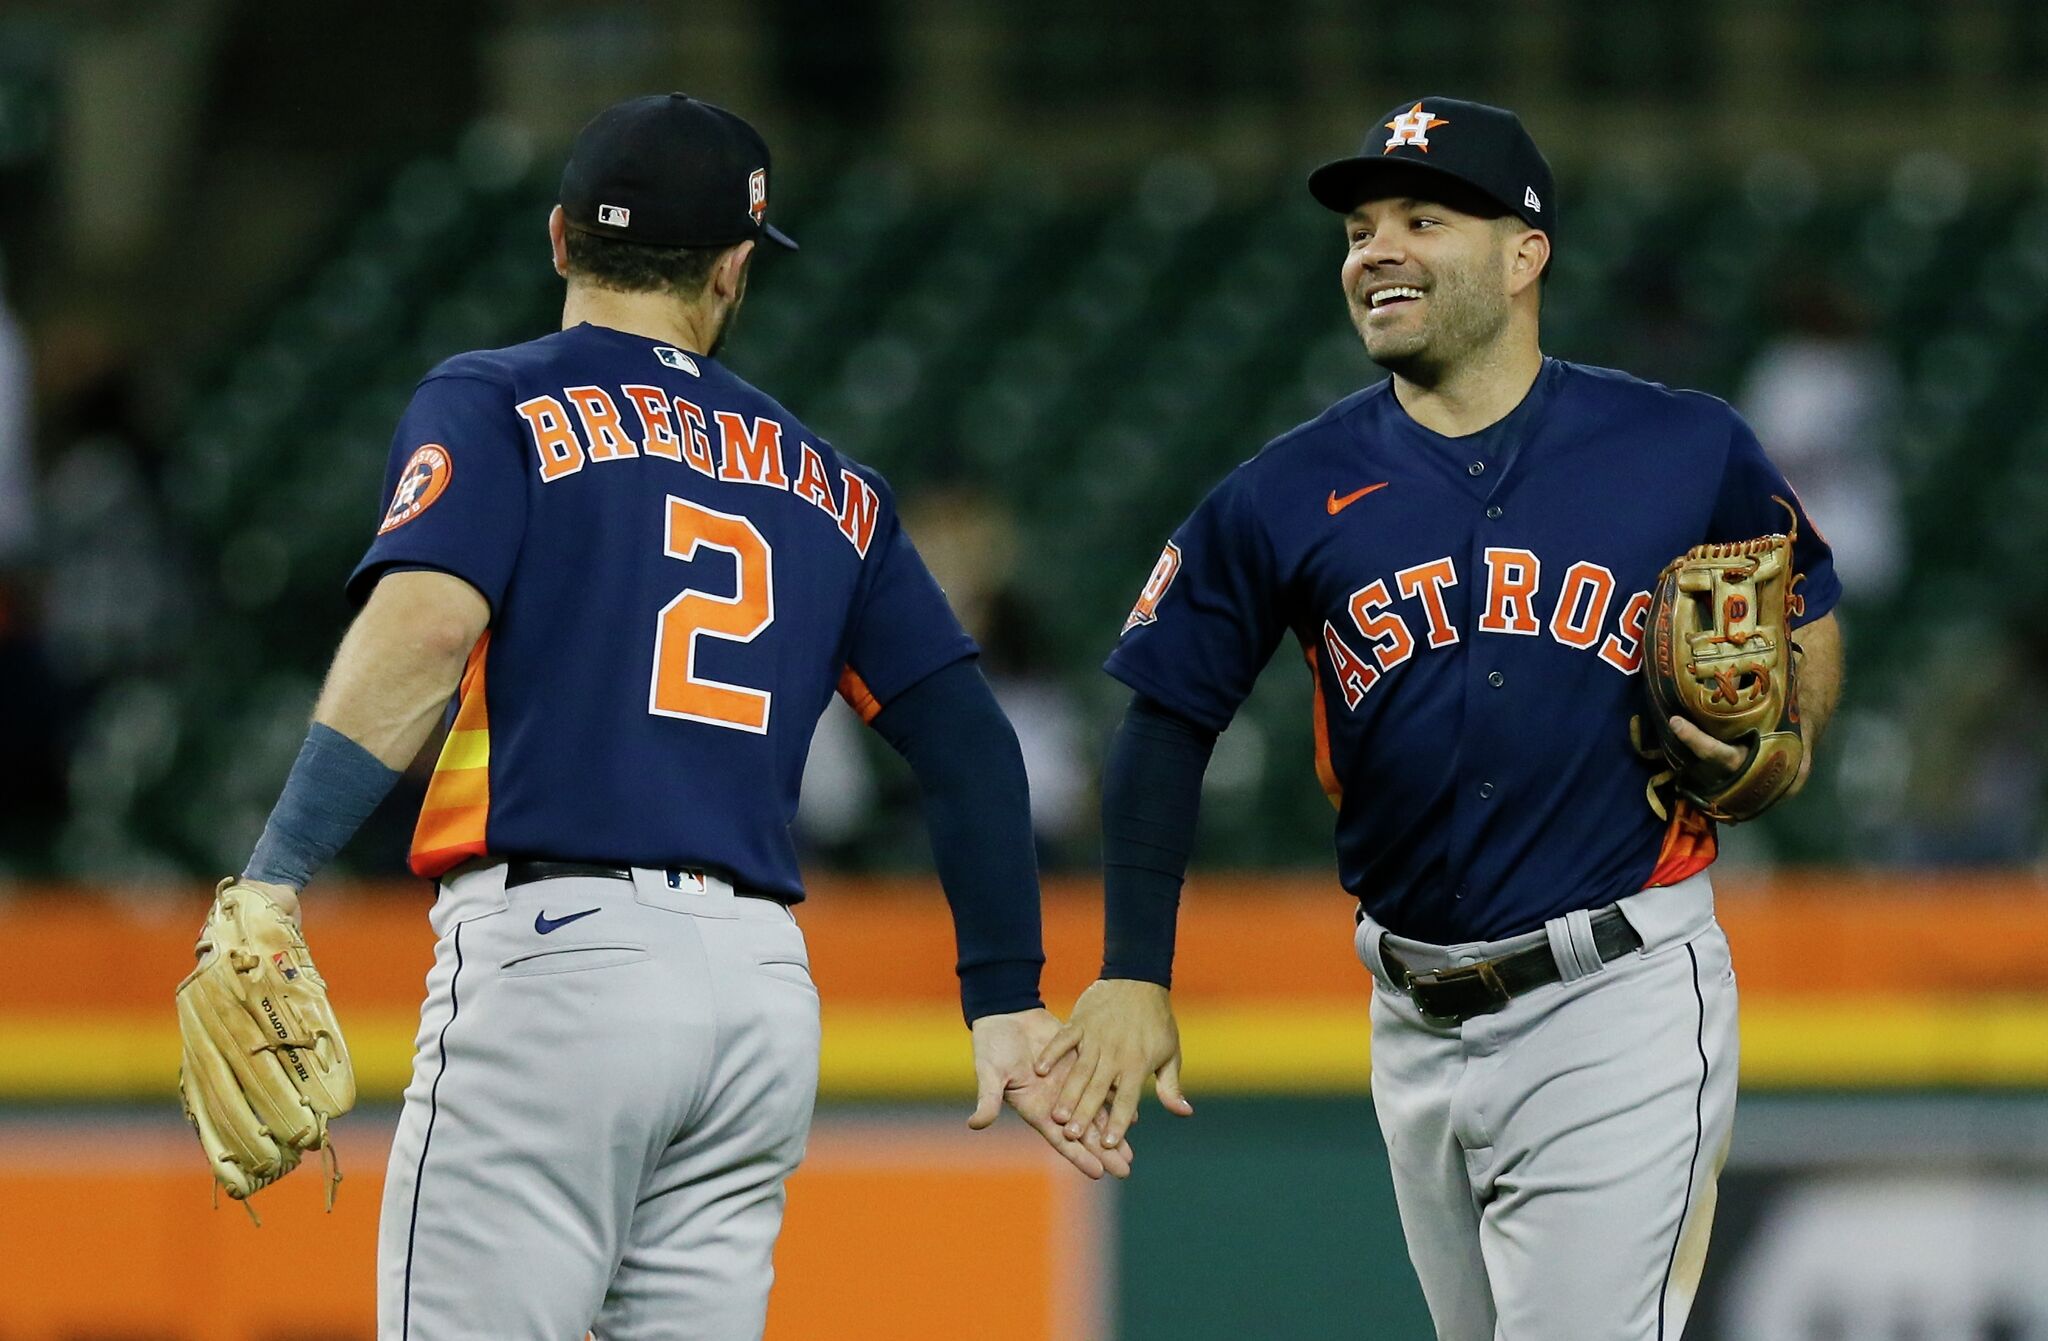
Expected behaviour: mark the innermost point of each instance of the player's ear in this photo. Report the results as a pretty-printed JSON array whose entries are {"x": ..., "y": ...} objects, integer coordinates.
[
  {"x": 558, "y": 240},
  {"x": 728, "y": 276},
  {"x": 1528, "y": 261}
]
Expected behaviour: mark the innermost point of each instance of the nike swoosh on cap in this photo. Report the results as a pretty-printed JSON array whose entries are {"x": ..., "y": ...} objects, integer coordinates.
[
  {"x": 1337, "y": 505},
  {"x": 544, "y": 924}
]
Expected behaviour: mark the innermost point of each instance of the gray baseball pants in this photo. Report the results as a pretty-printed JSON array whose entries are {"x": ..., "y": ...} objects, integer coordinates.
[
  {"x": 602, "y": 1112},
  {"x": 1555, "y": 1162}
]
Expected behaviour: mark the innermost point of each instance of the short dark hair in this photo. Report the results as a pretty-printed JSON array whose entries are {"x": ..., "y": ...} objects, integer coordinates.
[{"x": 635, "y": 267}]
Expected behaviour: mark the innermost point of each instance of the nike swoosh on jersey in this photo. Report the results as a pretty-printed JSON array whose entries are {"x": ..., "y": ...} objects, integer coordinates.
[
  {"x": 544, "y": 924},
  {"x": 1337, "y": 505}
]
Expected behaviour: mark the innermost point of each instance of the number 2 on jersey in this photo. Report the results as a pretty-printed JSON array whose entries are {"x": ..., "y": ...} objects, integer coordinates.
[{"x": 678, "y": 691}]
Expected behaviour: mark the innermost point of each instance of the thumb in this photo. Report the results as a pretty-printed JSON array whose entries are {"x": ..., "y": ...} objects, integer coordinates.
[
  {"x": 989, "y": 1103},
  {"x": 1168, "y": 1088}
]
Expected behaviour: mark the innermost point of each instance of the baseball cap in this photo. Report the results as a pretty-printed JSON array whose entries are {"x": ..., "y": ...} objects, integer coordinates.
[
  {"x": 667, "y": 170},
  {"x": 1440, "y": 141}
]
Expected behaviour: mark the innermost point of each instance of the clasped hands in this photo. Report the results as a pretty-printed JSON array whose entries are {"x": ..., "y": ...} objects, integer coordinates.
[{"x": 1077, "y": 1084}]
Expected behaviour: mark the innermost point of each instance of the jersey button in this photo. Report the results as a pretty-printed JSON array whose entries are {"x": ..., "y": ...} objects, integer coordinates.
[
  {"x": 1476, "y": 468},
  {"x": 1496, "y": 679},
  {"x": 1485, "y": 790},
  {"x": 1493, "y": 513}
]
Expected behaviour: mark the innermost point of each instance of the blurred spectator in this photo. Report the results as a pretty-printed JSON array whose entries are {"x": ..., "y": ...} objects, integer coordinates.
[
  {"x": 17, "y": 488},
  {"x": 120, "y": 597},
  {"x": 1822, "y": 396},
  {"x": 32, "y": 719},
  {"x": 971, "y": 546}
]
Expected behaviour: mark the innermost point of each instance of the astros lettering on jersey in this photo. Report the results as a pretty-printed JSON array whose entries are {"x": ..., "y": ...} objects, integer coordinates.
[{"x": 1465, "y": 627}]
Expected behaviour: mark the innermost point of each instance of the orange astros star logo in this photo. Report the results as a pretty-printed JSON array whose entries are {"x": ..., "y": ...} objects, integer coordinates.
[
  {"x": 1412, "y": 127},
  {"x": 423, "y": 480}
]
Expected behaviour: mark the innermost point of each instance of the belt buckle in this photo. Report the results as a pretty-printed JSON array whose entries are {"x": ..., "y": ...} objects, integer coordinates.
[{"x": 1458, "y": 994}]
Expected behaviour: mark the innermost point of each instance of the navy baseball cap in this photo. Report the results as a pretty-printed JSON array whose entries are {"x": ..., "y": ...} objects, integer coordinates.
[
  {"x": 669, "y": 171},
  {"x": 1427, "y": 143}
]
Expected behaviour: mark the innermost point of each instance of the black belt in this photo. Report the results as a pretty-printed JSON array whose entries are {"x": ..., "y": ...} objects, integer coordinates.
[
  {"x": 1457, "y": 994},
  {"x": 525, "y": 871}
]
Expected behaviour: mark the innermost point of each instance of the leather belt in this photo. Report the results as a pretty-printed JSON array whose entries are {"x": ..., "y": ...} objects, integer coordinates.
[
  {"x": 525, "y": 871},
  {"x": 1459, "y": 993}
]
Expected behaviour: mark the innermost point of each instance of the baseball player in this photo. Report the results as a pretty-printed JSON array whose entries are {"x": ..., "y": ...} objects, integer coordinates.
[
  {"x": 641, "y": 580},
  {"x": 1467, "y": 554}
]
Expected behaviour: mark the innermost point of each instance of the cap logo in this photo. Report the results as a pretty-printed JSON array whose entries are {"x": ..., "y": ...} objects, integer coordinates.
[
  {"x": 757, "y": 195},
  {"x": 1412, "y": 127},
  {"x": 1529, "y": 199},
  {"x": 614, "y": 216}
]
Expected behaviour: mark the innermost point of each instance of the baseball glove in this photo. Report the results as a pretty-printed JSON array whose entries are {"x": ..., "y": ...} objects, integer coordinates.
[
  {"x": 265, "y": 1066},
  {"x": 1721, "y": 656}
]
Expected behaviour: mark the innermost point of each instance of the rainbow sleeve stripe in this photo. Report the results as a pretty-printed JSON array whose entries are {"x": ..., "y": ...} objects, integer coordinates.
[{"x": 457, "y": 807}]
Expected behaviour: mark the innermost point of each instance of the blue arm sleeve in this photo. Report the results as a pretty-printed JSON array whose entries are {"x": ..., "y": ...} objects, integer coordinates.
[
  {"x": 977, "y": 806},
  {"x": 333, "y": 787},
  {"x": 1151, "y": 797}
]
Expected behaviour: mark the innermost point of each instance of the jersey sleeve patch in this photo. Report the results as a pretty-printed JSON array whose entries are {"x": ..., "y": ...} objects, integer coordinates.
[
  {"x": 423, "y": 480},
  {"x": 1146, "y": 611}
]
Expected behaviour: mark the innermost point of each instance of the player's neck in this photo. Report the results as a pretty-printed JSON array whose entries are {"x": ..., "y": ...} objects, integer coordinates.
[
  {"x": 652, "y": 316},
  {"x": 1475, "y": 395}
]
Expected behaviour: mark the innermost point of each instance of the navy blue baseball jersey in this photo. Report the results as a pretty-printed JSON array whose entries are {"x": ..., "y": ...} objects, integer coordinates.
[
  {"x": 680, "y": 575},
  {"x": 1471, "y": 610}
]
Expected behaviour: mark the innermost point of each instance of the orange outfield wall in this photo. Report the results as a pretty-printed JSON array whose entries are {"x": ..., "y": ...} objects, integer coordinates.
[
  {"x": 1847, "y": 979},
  {"x": 1252, "y": 937},
  {"x": 894, "y": 1233}
]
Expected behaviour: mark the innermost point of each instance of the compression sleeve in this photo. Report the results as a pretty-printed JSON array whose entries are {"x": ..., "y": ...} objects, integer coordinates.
[
  {"x": 334, "y": 785},
  {"x": 1151, "y": 796},
  {"x": 977, "y": 807}
]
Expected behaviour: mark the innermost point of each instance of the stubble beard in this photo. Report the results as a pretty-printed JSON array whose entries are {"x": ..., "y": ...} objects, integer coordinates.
[{"x": 1467, "y": 312}]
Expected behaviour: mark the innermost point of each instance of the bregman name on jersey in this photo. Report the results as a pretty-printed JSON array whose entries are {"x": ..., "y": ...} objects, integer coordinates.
[{"x": 672, "y": 428}]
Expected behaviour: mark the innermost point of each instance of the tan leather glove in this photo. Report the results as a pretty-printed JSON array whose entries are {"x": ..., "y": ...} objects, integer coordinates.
[
  {"x": 265, "y": 1066},
  {"x": 1720, "y": 654}
]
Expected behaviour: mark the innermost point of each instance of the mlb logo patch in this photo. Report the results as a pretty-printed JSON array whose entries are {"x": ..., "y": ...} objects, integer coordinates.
[
  {"x": 757, "y": 194},
  {"x": 676, "y": 358},
  {"x": 614, "y": 216},
  {"x": 284, "y": 965}
]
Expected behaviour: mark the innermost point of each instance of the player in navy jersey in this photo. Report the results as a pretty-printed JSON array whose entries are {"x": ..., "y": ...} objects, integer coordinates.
[
  {"x": 1464, "y": 554},
  {"x": 641, "y": 580}
]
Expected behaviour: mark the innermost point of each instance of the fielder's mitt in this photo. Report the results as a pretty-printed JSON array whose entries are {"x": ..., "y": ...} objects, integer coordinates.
[
  {"x": 265, "y": 1066},
  {"x": 1720, "y": 655}
]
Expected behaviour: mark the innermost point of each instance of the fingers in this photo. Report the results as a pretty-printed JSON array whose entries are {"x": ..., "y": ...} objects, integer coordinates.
[
  {"x": 989, "y": 1102},
  {"x": 1705, "y": 746},
  {"x": 1093, "y": 1098},
  {"x": 1116, "y": 1160},
  {"x": 1078, "y": 1078},
  {"x": 1074, "y": 1152},
  {"x": 1064, "y": 1042},
  {"x": 1169, "y": 1088},
  {"x": 1122, "y": 1113}
]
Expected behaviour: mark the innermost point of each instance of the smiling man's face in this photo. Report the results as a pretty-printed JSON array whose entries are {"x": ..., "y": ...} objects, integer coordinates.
[{"x": 1428, "y": 284}]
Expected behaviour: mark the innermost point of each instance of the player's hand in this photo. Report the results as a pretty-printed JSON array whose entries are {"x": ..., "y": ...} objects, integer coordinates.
[
  {"x": 1121, "y": 1035},
  {"x": 1005, "y": 1047},
  {"x": 284, "y": 896},
  {"x": 1728, "y": 758}
]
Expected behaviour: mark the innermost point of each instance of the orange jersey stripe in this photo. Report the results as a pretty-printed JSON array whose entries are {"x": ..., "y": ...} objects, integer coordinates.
[
  {"x": 458, "y": 789},
  {"x": 858, "y": 696},
  {"x": 1326, "y": 772},
  {"x": 1689, "y": 846},
  {"x": 456, "y": 812}
]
